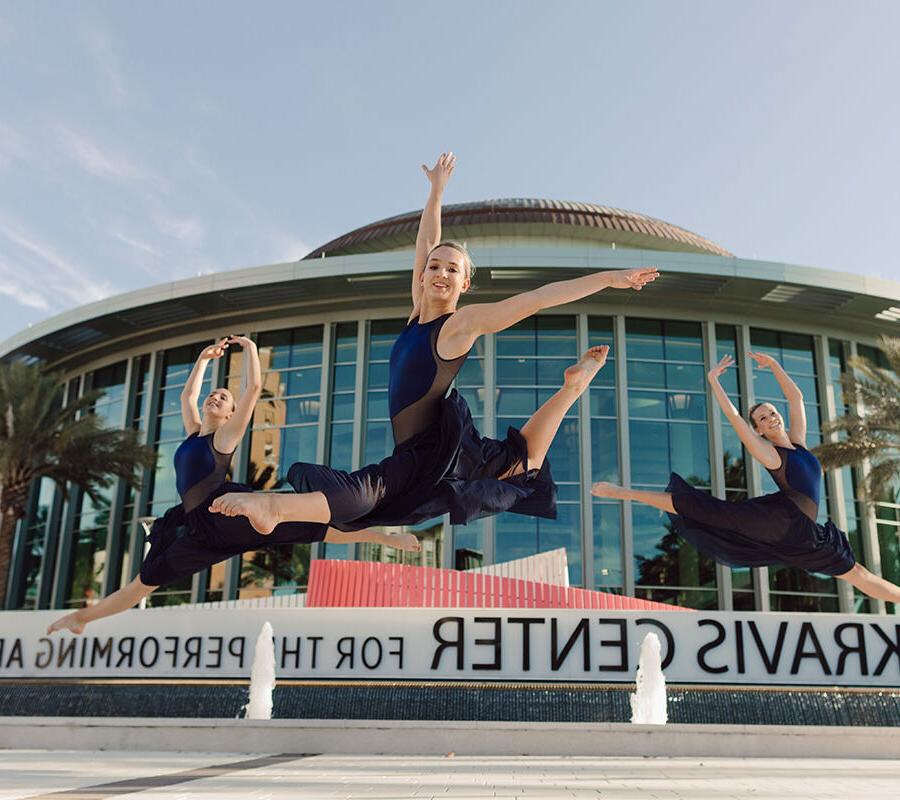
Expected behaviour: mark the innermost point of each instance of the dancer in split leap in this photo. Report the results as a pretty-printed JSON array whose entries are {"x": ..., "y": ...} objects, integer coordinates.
[
  {"x": 441, "y": 464},
  {"x": 778, "y": 528},
  {"x": 188, "y": 538}
]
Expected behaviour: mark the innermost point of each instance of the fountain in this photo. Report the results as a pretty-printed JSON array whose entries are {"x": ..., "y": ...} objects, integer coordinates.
[
  {"x": 648, "y": 703},
  {"x": 262, "y": 676}
]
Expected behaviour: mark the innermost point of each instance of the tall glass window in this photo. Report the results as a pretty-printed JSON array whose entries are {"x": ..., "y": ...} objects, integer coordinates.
[
  {"x": 138, "y": 419},
  {"x": 34, "y": 541},
  {"x": 84, "y": 585},
  {"x": 530, "y": 359},
  {"x": 848, "y": 477},
  {"x": 607, "y": 514},
  {"x": 793, "y": 589},
  {"x": 733, "y": 455},
  {"x": 339, "y": 440},
  {"x": 669, "y": 433},
  {"x": 168, "y": 434},
  {"x": 887, "y": 508},
  {"x": 284, "y": 430}
]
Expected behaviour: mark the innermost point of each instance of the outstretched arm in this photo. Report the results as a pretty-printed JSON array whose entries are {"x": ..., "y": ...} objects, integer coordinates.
[
  {"x": 467, "y": 324},
  {"x": 758, "y": 447},
  {"x": 121, "y": 600},
  {"x": 190, "y": 415},
  {"x": 230, "y": 434},
  {"x": 792, "y": 393},
  {"x": 430, "y": 224}
]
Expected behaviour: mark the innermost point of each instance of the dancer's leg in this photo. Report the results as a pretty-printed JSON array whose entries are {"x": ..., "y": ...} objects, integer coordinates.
[
  {"x": 872, "y": 585},
  {"x": 265, "y": 510},
  {"x": 407, "y": 542},
  {"x": 661, "y": 500},
  {"x": 541, "y": 428},
  {"x": 120, "y": 600}
]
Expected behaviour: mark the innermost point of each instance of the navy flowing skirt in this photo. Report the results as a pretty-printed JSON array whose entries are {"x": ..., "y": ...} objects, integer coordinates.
[
  {"x": 758, "y": 532},
  {"x": 447, "y": 469},
  {"x": 182, "y": 543}
]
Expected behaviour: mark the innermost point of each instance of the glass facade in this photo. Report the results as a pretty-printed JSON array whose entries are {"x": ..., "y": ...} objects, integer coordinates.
[
  {"x": 285, "y": 429},
  {"x": 87, "y": 563},
  {"x": 608, "y": 572},
  {"x": 530, "y": 360},
  {"x": 887, "y": 509},
  {"x": 647, "y": 413},
  {"x": 668, "y": 431}
]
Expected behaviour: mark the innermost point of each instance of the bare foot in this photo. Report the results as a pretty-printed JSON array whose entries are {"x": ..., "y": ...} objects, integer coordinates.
[
  {"x": 258, "y": 507},
  {"x": 603, "y": 489},
  {"x": 579, "y": 375},
  {"x": 407, "y": 542},
  {"x": 70, "y": 622}
]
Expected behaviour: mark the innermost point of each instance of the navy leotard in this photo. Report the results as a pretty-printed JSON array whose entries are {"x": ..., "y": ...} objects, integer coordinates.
[
  {"x": 419, "y": 378},
  {"x": 199, "y": 469},
  {"x": 777, "y": 528},
  {"x": 189, "y": 538},
  {"x": 440, "y": 463}
]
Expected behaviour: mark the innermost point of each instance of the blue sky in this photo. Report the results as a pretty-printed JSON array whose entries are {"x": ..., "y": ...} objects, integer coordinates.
[{"x": 144, "y": 142}]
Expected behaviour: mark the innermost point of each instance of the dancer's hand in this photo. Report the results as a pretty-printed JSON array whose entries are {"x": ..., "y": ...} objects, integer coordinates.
[
  {"x": 440, "y": 173},
  {"x": 635, "y": 279},
  {"x": 216, "y": 350},
  {"x": 763, "y": 360},
  {"x": 720, "y": 368},
  {"x": 70, "y": 622},
  {"x": 244, "y": 341}
]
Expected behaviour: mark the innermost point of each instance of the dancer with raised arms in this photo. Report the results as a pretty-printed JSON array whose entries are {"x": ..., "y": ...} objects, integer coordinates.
[
  {"x": 777, "y": 528},
  {"x": 188, "y": 538},
  {"x": 441, "y": 464}
]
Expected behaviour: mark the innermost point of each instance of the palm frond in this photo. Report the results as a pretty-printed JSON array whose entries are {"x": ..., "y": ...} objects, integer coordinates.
[{"x": 39, "y": 437}]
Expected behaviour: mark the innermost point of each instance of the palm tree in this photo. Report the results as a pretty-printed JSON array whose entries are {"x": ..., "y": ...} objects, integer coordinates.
[
  {"x": 39, "y": 438},
  {"x": 875, "y": 433}
]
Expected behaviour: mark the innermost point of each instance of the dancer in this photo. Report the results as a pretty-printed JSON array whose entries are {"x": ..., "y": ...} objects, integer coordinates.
[
  {"x": 778, "y": 528},
  {"x": 188, "y": 538},
  {"x": 440, "y": 463}
]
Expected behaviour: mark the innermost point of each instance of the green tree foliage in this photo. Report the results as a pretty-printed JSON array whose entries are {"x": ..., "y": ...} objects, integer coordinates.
[
  {"x": 870, "y": 429},
  {"x": 42, "y": 438}
]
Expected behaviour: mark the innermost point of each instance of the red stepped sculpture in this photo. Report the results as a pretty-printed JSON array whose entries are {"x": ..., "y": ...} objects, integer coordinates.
[{"x": 370, "y": 584}]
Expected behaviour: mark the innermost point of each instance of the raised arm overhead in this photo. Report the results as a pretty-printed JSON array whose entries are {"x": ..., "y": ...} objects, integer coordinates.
[
  {"x": 763, "y": 416},
  {"x": 190, "y": 413},
  {"x": 229, "y": 435},
  {"x": 430, "y": 224}
]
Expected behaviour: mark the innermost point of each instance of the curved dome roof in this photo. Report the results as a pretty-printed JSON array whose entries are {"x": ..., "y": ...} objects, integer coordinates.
[{"x": 520, "y": 216}]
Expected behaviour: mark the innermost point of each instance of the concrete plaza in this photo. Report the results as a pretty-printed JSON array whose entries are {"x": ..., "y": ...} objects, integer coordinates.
[{"x": 91, "y": 775}]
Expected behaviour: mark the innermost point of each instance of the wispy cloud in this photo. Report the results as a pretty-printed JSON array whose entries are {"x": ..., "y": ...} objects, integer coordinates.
[
  {"x": 22, "y": 295},
  {"x": 100, "y": 47},
  {"x": 137, "y": 244},
  {"x": 102, "y": 161},
  {"x": 51, "y": 269},
  {"x": 187, "y": 230}
]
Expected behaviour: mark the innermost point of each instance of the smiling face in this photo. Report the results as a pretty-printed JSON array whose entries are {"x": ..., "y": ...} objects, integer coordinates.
[
  {"x": 767, "y": 421},
  {"x": 446, "y": 274},
  {"x": 218, "y": 406}
]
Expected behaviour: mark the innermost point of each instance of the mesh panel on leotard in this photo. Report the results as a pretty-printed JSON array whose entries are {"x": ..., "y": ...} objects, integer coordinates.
[
  {"x": 799, "y": 476},
  {"x": 419, "y": 378},
  {"x": 200, "y": 469}
]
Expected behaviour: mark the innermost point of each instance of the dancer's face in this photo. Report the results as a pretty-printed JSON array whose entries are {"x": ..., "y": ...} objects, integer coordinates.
[
  {"x": 446, "y": 275},
  {"x": 219, "y": 405},
  {"x": 768, "y": 421}
]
